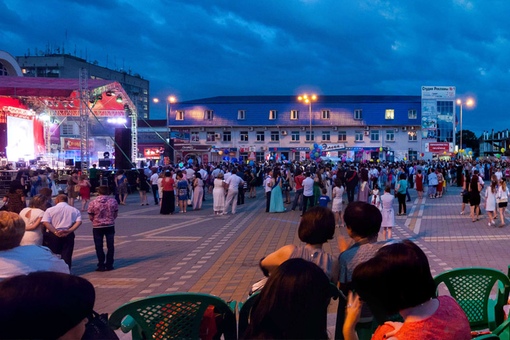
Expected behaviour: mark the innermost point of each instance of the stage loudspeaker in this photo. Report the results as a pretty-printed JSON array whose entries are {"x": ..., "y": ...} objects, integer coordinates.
[{"x": 123, "y": 148}]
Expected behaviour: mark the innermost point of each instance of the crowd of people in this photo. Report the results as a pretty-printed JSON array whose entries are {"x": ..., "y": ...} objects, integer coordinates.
[{"x": 331, "y": 198}]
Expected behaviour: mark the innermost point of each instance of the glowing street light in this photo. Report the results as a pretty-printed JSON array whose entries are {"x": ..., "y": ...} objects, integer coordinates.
[
  {"x": 469, "y": 102},
  {"x": 306, "y": 99}
]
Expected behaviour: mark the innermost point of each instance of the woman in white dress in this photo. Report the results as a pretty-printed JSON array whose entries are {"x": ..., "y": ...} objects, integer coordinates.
[
  {"x": 198, "y": 191},
  {"x": 490, "y": 200},
  {"x": 32, "y": 217},
  {"x": 502, "y": 199},
  {"x": 337, "y": 205},
  {"x": 388, "y": 214},
  {"x": 218, "y": 195}
]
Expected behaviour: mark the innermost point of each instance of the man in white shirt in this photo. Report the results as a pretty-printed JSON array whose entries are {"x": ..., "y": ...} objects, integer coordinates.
[
  {"x": 61, "y": 221},
  {"x": 205, "y": 177},
  {"x": 307, "y": 192},
  {"x": 154, "y": 185},
  {"x": 268, "y": 186},
  {"x": 19, "y": 260},
  {"x": 374, "y": 176},
  {"x": 233, "y": 190},
  {"x": 216, "y": 171}
]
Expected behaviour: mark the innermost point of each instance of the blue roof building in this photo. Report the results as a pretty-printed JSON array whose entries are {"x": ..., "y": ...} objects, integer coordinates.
[{"x": 350, "y": 127}]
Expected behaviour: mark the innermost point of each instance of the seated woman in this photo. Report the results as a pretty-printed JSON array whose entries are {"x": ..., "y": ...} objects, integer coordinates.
[
  {"x": 404, "y": 286},
  {"x": 317, "y": 226},
  {"x": 45, "y": 305},
  {"x": 293, "y": 304}
]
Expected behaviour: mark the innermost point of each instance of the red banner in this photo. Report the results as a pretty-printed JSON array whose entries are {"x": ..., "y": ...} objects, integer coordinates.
[{"x": 438, "y": 147}]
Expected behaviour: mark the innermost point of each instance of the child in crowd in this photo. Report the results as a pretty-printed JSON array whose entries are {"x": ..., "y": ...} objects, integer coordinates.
[
  {"x": 375, "y": 199},
  {"x": 324, "y": 198}
]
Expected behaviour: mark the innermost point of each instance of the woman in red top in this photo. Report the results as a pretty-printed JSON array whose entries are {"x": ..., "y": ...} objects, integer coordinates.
[
  {"x": 84, "y": 191},
  {"x": 404, "y": 286},
  {"x": 168, "y": 197},
  {"x": 418, "y": 181}
]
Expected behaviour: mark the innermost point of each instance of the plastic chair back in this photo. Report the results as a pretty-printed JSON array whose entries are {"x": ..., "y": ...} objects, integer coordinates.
[
  {"x": 471, "y": 288},
  {"x": 171, "y": 316}
]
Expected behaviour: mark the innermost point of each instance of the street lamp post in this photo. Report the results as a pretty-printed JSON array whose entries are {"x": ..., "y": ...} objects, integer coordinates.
[
  {"x": 169, "y": 101},
  {"x": 469, "y": 102},
  {"x": 308, "y": 100}
]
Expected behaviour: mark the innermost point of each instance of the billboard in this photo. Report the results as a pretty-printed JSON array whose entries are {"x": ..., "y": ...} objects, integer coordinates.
[
  {"x": 437, "y": 112},
  {"x": 20, "y": 139}
]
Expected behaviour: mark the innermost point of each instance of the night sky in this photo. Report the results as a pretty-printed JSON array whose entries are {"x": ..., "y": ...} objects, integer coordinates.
[{"x": 204, "y": 48}]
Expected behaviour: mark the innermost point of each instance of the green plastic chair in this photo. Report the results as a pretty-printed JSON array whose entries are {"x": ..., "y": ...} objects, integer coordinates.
[
  {"x": 500, "y": 333},
  {"x": 244, "y": 310},
  {"x": 172, "y": 316},
  {"x": 471, "y": 288}
]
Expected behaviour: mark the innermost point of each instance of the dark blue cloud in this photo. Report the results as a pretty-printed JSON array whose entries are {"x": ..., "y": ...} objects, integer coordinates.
[{"x": 205, "y": 48}]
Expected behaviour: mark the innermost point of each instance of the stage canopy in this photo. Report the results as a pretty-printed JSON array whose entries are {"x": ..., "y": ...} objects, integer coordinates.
[{"x": 61, "y": 96}]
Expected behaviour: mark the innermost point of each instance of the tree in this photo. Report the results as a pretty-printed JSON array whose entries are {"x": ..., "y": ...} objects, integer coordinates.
[{"x": 469, "y": 141}]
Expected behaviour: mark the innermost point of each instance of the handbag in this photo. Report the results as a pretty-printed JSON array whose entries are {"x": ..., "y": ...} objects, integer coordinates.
[
  {"x": 97, "y": 327},
  {"x": 502, "y": 200},
  {"x": 77, "y": 188}
]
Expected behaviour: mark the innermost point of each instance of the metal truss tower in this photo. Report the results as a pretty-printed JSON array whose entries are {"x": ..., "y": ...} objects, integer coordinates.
[{"x": 84, "y": 121}]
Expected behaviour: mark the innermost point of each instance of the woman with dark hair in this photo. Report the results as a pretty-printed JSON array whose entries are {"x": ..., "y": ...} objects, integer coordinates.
[
  {"x": 182, "y": 191},
  {"x": 219, "y": 194},
  {"x": 32, "y": 216},
  {"x": 15, "y": 198},
  {"x": 293, "y": 304},
  {"x": 337, "y": 205},
  {"x": 142, "y": 183},
  {"x": 121, "y": 183},
  {"x": 401, "y": 190},
  {"x": 198, "y": 191},
  {"x": 475, "y": 187},
  {"x": 167, "y": 194},
  {"x": 465, "y": 179},
  {"x": 276, "y": 203},
  {"x": 317, "y": 226},
  {"x": 45, "y": 305},
  {"x": 405, "y": 286}
]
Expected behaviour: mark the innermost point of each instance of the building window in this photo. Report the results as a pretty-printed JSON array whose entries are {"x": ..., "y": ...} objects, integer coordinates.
[
  {"x": 67, "y": 129},
  {"x": 413, "y": 136},
  {"x": 374, "y": 135},
  {"x": 390, "y": 135},
  {"x": 413, "y": 155},
  {"x": 294, "y": 114},
  {"x": 241, "y": 114},
  {"x": 358, "y": 114},
  {"x": 272, "y": 114},
  {"x": 208, "y": 115},
  {"x": 294, "y": 136},
  {"x": 243, "y": 135},
  {"x": 358, "y": 136},
  {"x": 3, "y": 70},
  {"x": 195, "y": 137},
  {"x": 411, "y": 114},
  {"x": 325, "y": 114},
  {"x": 275, "y": 136},
  {"x": 326, "y": 136},
  {"x": 227, "y": 136},
  {"x": 260, "y": 136},
  {"x": 179, "y": 115},
  {"x": 389, "y": 114},
  {"x": 342, "y": 136},
  {"x": 308, "y": 138},
  {"x": 211, "y": 136}
]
